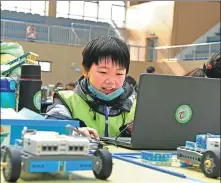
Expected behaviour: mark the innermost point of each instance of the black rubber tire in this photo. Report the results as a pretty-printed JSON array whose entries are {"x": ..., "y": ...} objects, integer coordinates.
[
  {"x": 15, "y": 164},
  {"x": 107, "y": 164},
  {"x": 215, "y": 170}
]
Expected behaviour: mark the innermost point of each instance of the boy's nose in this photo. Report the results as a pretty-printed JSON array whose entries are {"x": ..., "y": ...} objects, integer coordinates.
[{"x": 110, "y": 82}]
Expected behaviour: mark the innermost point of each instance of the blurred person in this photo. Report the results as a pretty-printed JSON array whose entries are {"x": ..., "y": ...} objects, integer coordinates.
[
  {"x": 70, "y": 86},
  {"x": 212, "y": 69},
  {"x": 58, "y": 86},
  {"x": 31, "y": 33},
  {"x": 150, "y": 69}
]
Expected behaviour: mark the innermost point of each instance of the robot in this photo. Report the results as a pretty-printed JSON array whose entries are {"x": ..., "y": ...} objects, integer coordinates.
[
  {"x": 205, "y": 152},
  {"x": 51, "y": 152}
]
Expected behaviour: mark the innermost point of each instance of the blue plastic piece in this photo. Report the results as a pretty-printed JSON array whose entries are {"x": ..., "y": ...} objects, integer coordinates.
[
  {"x": 201, "y": 141},
  {"x": 155, "y": 156},
  {"x": 78, "y": 165},
  {"x": 190, "y": 144},
  {"x": 37, "y": 166},
  {"x": 18, "y": 142}
]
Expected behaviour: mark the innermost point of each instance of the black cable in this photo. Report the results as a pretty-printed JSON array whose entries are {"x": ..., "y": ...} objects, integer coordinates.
[{"x": 127, "y": 126}]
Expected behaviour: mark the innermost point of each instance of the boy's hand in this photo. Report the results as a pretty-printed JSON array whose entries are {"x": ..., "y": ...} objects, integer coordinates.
[
  {"x": 130, "y": 125},
  {"x": 89, "y": 132},
  {"x": 126, "y": 129}
]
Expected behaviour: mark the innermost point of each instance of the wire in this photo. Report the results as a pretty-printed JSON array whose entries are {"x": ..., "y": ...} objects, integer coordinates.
[{"x": 127, "y": 126}]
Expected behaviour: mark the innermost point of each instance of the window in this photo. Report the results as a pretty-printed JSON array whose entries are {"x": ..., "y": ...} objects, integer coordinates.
[
  {"x": 118, "y": 13},
  {"x": 120, "y": 3},
  {"x": 5, "y": 5},
  {"x": 63, "y": 9},
  {"x": 20, "y": 6},
  {"x": 36, "y": 7},
  {"x": 92, "y": 10},
  {"x": 76, "y": 9},
  {"x": 104, "y": 12},
  {"x": 23, "y": 6},
  {"x": 45, "y": 66}
]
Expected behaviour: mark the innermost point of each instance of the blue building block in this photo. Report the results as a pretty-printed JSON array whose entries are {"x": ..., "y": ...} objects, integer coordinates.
[
  {"x": 37, "y": 166},
  {"x": 78, "y": 165},
  {"x": 201, "y": 141},
  {"x": 191, "y": 145},
  {"x": 155, "y": 156}
]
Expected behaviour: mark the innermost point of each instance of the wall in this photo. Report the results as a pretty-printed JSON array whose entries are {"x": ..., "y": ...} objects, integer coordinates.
[
  {"x": 170, "y": 67},
  {"x": 193, "y": 19},
  {"x": 63, "y": 56}
]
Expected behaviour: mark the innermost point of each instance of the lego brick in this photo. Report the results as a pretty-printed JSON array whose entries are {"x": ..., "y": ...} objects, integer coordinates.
[
  {"x": 156, "y": 156},
  {"x": 37, "y": 166},
  {"x": 78, "y": 165}
]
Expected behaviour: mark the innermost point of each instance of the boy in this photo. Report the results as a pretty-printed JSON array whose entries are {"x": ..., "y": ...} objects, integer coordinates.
[{"x": 102, "y": 101}]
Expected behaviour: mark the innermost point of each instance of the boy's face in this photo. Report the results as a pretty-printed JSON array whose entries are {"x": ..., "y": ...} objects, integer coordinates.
[{"x": 106, "y": 76}]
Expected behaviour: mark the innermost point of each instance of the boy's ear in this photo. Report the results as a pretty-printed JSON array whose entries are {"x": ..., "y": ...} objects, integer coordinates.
[{"x": 84, "y": 72}]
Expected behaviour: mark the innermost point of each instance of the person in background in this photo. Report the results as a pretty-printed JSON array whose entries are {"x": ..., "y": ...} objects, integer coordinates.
[
  {"x": 197, "y": 72},
  {"x": 70, "y": 86},
  {"x": 212, "y": 69},
  {"x": 58, "y": 86},
  {"x": 102, "y": 101},
  {"x": 150, "y": 69},
  {"x": 31, "y": 33}
]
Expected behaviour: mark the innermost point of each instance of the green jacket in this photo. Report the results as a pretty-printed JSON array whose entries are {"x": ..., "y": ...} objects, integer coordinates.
[{"x": 82, "y": 105}]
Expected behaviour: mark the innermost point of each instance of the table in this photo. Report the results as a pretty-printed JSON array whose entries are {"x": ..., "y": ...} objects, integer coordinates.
[{"x": 122, "y": 172}]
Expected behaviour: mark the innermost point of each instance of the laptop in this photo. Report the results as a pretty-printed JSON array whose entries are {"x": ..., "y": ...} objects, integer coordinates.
[{"x": 172, "y": 110}]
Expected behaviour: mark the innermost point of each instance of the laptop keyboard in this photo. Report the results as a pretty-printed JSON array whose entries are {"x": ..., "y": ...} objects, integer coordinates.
[{"x": 125, "y": 139}]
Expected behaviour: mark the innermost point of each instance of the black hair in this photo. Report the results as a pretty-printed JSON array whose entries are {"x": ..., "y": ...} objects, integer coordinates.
[
  {"x": 71, "y": 84},
  {"x": 58, "y": 84},
  {"x": 150, "y": 69},
  {"x": 213, "y": 67},
  {"x": 106, "y": 47},
  {"x": 131, "y": 80},
  {"x": 198, "y": 72}
]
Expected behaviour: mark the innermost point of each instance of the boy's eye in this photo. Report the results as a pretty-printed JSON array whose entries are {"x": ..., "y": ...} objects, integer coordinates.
[
  {"x": 120, "y": 74},
  {"x": 102, "y": 72}
]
